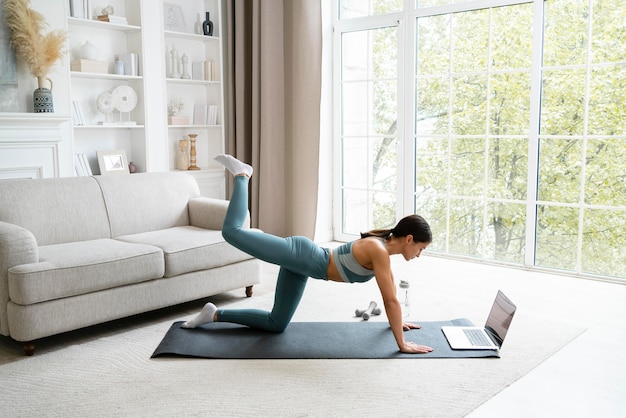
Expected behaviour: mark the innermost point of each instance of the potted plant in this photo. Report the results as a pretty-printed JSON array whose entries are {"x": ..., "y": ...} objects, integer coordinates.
[{"x": 39, "y": 51}]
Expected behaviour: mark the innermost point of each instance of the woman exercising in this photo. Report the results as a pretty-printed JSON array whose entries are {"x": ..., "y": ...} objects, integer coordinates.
[{"x": 300, "y": 258}]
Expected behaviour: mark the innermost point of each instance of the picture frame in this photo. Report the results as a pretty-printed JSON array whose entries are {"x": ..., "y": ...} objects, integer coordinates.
[
  {"x": 173, "y": 18},
  {"x": 112, "y": 162}
]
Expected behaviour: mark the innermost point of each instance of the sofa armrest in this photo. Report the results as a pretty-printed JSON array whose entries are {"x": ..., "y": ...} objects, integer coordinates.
[
  {"x": 17, "y": 246},
  {"x": 208, "y": 213}
]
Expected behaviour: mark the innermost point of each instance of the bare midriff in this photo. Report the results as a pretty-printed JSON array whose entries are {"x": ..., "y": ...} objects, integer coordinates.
[{"x": 331, "y": 271}]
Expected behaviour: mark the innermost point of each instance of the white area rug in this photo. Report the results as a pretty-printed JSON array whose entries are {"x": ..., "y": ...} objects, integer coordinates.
[{"x": 107, "y": 370}]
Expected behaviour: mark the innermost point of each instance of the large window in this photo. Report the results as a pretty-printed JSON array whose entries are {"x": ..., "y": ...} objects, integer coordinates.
[{"x": 502, "y": 125}]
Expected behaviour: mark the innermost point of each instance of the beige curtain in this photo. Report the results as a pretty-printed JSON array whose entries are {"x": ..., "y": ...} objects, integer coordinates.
[{"x": 274, "y": 50}]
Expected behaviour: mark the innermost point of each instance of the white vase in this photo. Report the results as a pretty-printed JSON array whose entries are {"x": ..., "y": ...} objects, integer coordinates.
[{"x": 89, "y": 51}]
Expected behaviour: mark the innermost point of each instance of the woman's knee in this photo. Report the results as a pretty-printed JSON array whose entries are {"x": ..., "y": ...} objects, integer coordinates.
[
  {"x": 277, "y": 326},
  {"x": 230, "y": 235}
]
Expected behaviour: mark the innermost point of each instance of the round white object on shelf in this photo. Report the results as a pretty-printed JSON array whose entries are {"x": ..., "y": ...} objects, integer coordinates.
[
  {"x": 105, "y": 102},
  {"x": 88, "y": 51},
  {"x": 124, "y": 98}
]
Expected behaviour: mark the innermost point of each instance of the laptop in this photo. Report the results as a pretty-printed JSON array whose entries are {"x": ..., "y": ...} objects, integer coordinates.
[{"x": 491, "y": 336}]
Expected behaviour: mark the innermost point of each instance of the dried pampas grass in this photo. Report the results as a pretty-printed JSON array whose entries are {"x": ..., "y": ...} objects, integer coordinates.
[{"x": 39, "y": 51}]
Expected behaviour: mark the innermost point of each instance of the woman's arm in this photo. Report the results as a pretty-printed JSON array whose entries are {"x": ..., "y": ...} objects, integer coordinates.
[{"x": 384, "y": 279}]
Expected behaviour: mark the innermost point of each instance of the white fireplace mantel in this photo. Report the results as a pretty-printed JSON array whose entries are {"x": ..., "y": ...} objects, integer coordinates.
[{"x": 29, "y": 144}]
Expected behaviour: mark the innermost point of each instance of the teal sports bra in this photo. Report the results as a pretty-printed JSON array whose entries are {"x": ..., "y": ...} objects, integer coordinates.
[{"x": 349, "y": 269}]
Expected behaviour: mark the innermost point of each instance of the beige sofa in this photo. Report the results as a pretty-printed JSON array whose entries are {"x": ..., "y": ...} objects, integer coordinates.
[{"x": 80, "y": 251}]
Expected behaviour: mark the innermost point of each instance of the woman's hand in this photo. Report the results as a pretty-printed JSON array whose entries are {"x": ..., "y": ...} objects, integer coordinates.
[
  {"x": 407, "y": 326},
  {"x": 413, "y": 348}
]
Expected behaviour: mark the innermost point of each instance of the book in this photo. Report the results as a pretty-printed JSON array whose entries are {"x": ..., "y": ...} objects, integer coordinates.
[
  {"x": 78, "y": 166},
  {"x": 197, "y": 70},
  {"x": 211, "y": 118},
  {"x": 199, "y": 114},
  {"x": 210, "y": 71},
  {"x": 77, "y": 113},
  {"x": 86, "y": 166},
  {"x": 203, "y": 70}
]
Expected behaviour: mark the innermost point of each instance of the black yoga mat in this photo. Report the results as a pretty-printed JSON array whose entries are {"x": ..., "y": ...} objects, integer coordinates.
[{"x": 309, "y": 340}]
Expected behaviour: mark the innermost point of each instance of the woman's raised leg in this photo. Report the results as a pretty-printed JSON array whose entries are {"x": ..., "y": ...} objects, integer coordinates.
[{"x": 266, "y": 247}]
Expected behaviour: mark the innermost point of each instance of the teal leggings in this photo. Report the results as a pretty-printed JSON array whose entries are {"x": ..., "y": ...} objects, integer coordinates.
[{"x": 298, "y": 257}]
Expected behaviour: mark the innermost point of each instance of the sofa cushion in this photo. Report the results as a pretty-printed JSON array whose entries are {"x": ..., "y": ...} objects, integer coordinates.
[
  {"x": 56, "y": 210},
  {"x": 147, "y": 201},
  {"x": 82, "y": 267},
  {"x": 188, "y": 248}
]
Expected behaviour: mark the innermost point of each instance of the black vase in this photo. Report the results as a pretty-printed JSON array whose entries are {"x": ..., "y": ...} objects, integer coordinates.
[{"x": 207, "y": 25}]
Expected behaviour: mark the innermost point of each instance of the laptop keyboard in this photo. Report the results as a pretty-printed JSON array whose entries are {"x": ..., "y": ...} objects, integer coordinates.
[{"x": 476, "y": 337}]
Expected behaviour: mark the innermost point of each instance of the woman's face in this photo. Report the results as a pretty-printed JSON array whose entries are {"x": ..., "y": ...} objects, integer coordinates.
[{"x": 413, "y": 249}]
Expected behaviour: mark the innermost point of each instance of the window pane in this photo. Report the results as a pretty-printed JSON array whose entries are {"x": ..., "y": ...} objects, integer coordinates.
[
  {"x": 509, "y": 104},
  {"x": 557, "y": 237},
  {"x": 508, "y": 168},
  {"x": 607, "y": 98},
  {"x": 385, "y": 108},
  {"x": 604, "y": 242},
  {"x": 467, "y": 163},
  {"x": 470, "y": 40},
  {"x": 354, "y": 108},
  {"x": 369, "y": 128},
  {"x": 431, "y": 166},
  {"x": 605, "y": 175},
  {"x": 365, "y": 210},
  {"x": 608, "y": 31},
  {"x": 433, "y": 45},
  {"x": 565, "y": 32},
  {"x": 383, "y": 164},
  {"x": 355, "y": 211},
  {"x": 504, "y": 35},
  {"x": 359, "y": 8},
  {"x": 506, "y": 231},
  {"x": 563, "y": 102},
  {"x": 466, "y": 227},
  {"x": 384, "y": 215},
  {"x": 354, "y": 63},
  {"x": 369, "y": 163},
  {"x": 433, "y": 99},
  {"x": 559, "y": 170},
  {"x": 355, "y": 162},
  {"x": 469, "y": 105},
  {"x": 434, "y": 211}
]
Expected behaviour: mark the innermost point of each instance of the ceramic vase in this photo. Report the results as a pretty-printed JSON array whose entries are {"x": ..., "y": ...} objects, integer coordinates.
[
  {"x": 42, "y": 97},
  {"x": 183, "y": 157},
  {"x": 207, "y": 25},
  {"x": 88, "y": 51}
]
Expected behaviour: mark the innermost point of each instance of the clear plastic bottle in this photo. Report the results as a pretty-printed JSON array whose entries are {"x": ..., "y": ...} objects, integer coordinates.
[{"x": 404, "y": 297}]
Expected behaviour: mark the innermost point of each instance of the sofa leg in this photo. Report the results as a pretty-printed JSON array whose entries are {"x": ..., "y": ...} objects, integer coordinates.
[
  {"x": 29, "y": 348},
  {"x": 248, "y": 291}
]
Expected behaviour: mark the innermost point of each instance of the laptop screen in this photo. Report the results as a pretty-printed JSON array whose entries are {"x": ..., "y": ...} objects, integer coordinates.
[{"x": 500, "y": 317}]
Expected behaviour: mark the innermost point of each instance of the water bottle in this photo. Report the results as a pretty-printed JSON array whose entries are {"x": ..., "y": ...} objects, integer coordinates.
[{"x": 404, "y": 297}]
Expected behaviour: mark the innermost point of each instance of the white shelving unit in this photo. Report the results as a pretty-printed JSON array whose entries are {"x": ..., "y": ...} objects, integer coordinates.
[
  {"x": 97, "y": 130},
  {"x": 189, "y": 41},
  {"x": 151, "y": 143}
]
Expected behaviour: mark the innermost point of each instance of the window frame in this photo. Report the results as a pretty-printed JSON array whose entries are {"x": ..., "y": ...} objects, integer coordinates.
[{"x": 407, "y": 27}]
